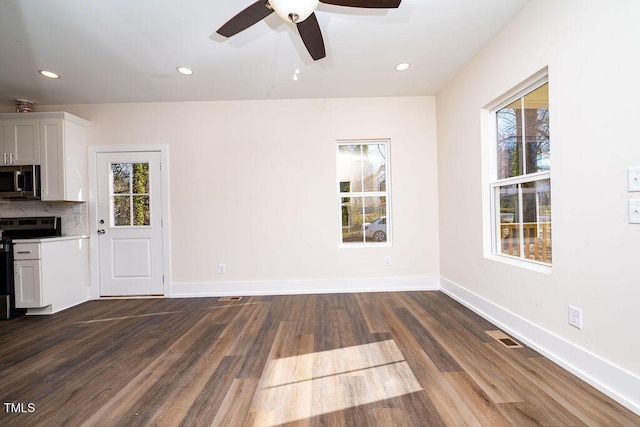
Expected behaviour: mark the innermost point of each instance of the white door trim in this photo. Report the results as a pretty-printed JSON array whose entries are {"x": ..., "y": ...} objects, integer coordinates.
[{"x": 163, "y": 149}]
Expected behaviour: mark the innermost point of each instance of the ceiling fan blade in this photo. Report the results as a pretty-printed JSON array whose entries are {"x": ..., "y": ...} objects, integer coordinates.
[
  {"x": 309, "y": 30},
  {"x": 243, "y": 20},
  {"x": 381, "y": 4}
]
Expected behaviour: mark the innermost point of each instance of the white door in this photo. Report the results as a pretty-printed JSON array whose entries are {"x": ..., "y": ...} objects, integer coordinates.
[{"x": 130, "y": 223}]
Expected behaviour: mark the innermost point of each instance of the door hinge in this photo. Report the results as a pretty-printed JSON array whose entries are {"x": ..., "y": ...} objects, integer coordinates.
[{"x": 162, "y": 278}]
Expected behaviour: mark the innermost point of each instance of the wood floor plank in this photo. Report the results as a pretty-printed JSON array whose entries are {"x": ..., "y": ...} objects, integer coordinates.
[
  {"x": 496, "y": 381},
  {"x": 371, "y": 315},
  {"x": 211, "y": 397},
  {"x": 427, "y": 373},
  {"x": 376, "y": 359},
  {"x": 286, "y": 377},
  {"x": 441, "y": 358},
  {"x": 234, "y": 409}
]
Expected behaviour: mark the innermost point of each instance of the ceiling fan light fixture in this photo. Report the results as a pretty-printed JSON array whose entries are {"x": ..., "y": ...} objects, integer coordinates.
[{"x": 294, "y": 10}]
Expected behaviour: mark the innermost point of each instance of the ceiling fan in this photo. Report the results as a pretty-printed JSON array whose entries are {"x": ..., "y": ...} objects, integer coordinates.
[{"x": 299, "y": 12}]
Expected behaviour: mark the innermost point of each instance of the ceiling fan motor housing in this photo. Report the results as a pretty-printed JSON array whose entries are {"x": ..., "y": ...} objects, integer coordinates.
[{"x": 294, "y": 10}]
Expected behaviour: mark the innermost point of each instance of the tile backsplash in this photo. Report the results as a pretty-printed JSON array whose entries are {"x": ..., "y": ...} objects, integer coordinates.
[{"x": 74, "y": 215}]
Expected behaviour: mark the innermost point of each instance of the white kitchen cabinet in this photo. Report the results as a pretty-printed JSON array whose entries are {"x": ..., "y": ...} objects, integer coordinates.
[
  {"x": 51, "y": 274},
  {"x": 28, "y": 285},
  {"x": 55, "y": 141},
  {"x": 19, "y": 141},
  {"x": 27, "y": 267},
  {"x": 63, "y": 148}
]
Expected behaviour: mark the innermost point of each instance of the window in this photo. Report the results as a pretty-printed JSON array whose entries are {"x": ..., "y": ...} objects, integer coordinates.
[
  {"x": 363, "y": 192},
  {"x": 130, "y": 194},
  {"x": 521, "y": 182}
]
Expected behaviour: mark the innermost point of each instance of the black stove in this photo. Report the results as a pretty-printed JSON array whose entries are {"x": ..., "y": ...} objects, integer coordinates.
[
  {"x": 10, "y": 230},
  {"x": 30, "y": 227}
]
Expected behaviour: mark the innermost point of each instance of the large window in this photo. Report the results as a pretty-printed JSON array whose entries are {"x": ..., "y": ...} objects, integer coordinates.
[
  {"x": 521, "y": 182},
  {"x": 363, "y": 192}
]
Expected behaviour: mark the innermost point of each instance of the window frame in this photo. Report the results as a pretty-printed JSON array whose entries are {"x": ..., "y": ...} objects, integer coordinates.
[
  {"x": 492, "y": 220},
  {"x": 386, "y": 193}
]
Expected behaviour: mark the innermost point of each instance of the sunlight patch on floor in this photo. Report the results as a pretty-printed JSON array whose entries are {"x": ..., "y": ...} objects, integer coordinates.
[
  {"x": 308, "y": 385},
  {"x": 133, "y": 316}
]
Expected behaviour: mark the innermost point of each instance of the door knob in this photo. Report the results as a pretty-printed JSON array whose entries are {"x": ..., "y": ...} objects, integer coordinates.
[{"x": 101, "y": 231}]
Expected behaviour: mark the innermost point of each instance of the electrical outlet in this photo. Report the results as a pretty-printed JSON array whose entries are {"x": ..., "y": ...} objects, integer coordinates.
[
  {"x": 222, "y": 268},
  {"x": 634, "y": 211},
  {"x": 634, "y": 179},
  {"x": 387, "y": 260},
  {"x": 575, "y": 317}
]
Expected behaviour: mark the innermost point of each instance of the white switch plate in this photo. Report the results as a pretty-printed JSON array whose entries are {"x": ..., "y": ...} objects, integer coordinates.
[
  {"x": 634, "y": 211},
  {"x": 634, "y": 179}
]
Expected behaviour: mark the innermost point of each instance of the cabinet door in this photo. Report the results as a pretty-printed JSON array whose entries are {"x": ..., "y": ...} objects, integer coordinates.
[
  {"x": 52, "y": 150},
  {"x": 23, "y": 147},
  {"x": 4, "y": 142},
  {"x": 63, "y": 149},
  {"x": 27, "y": 283}
]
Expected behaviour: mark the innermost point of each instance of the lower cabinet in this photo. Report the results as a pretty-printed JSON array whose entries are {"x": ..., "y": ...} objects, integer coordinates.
[
  {"x": 28, "y": 284},
  {"x": 51, "y": 274}
]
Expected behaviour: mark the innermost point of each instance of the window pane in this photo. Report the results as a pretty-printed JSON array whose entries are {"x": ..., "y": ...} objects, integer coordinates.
[
  {"x": 352, "y": 219},
  {"x": 536, "y": 106},
  {"x": 121, "y": 177},
  {"x": 509, "y": 138},
  {"x": 364, "y": 219},
  {"x": 536, "y": 212},
  {"x": 374, "y": 164},
  {"x": 141, "y": 213},
  {"x": 375, "y": 227},
  {"x": 121, "y": 210},
  {"x": 509, "y": 220},
  {"x": 140, "y": 178},
  {"x": 350, "y": 167}
]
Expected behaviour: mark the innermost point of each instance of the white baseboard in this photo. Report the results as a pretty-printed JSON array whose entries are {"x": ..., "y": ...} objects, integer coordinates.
[
  {"x": 613, "y": 381},
  {"x": 293, "y": 287}
]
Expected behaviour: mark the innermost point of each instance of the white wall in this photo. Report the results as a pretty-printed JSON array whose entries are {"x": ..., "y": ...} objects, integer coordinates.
[
  {"x": 591, "y": 50},
  {"x": 253, "y": 186}
]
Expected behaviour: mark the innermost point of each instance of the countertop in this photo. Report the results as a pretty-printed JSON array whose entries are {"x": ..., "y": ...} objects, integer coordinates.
[{"x": 51, "y": 239}]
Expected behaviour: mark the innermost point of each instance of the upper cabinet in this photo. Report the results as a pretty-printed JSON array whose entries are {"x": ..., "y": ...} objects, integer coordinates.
[
  {"x": 19, "y": 141},
  {"x": 55, "y": 141}
]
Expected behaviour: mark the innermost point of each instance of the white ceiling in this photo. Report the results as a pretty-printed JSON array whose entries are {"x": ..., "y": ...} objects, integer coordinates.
[{"x": 128, "y": 50}]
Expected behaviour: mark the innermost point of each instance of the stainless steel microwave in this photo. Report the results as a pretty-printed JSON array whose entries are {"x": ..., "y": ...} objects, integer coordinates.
[{"x": 20, "y": 182}]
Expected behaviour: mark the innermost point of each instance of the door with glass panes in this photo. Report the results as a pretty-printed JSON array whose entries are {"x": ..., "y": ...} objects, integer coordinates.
[{"x": 130, "y": 223}]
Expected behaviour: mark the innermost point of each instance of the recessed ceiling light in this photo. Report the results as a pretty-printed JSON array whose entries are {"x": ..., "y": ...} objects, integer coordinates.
[
  {"x": 186, "y": 71},
  {"x": 403, "y": 66},
  {"x": 49, "y": 74}
]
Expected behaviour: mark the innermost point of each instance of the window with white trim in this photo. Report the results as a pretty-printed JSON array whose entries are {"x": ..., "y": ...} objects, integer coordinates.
[
  {"x": 521, "y": 178},
  {"x": 363, "y": 192}
]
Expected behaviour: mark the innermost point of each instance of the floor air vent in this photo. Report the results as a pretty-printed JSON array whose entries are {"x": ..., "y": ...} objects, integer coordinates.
[
  {"x": 228, "y": 299},
  {"x": 504, "y": 339}
]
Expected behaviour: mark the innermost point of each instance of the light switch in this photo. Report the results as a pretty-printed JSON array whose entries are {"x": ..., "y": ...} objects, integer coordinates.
[
  {"x": 634, "y": 211},
  {"x": 634, "y": 179}
]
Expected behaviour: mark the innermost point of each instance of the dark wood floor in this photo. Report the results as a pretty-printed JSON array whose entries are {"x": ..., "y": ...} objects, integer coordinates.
[{"x": 396, "y": 359}]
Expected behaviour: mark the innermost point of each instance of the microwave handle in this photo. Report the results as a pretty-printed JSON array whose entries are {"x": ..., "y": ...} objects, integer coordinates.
[{"x": 17, "y": 177}]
